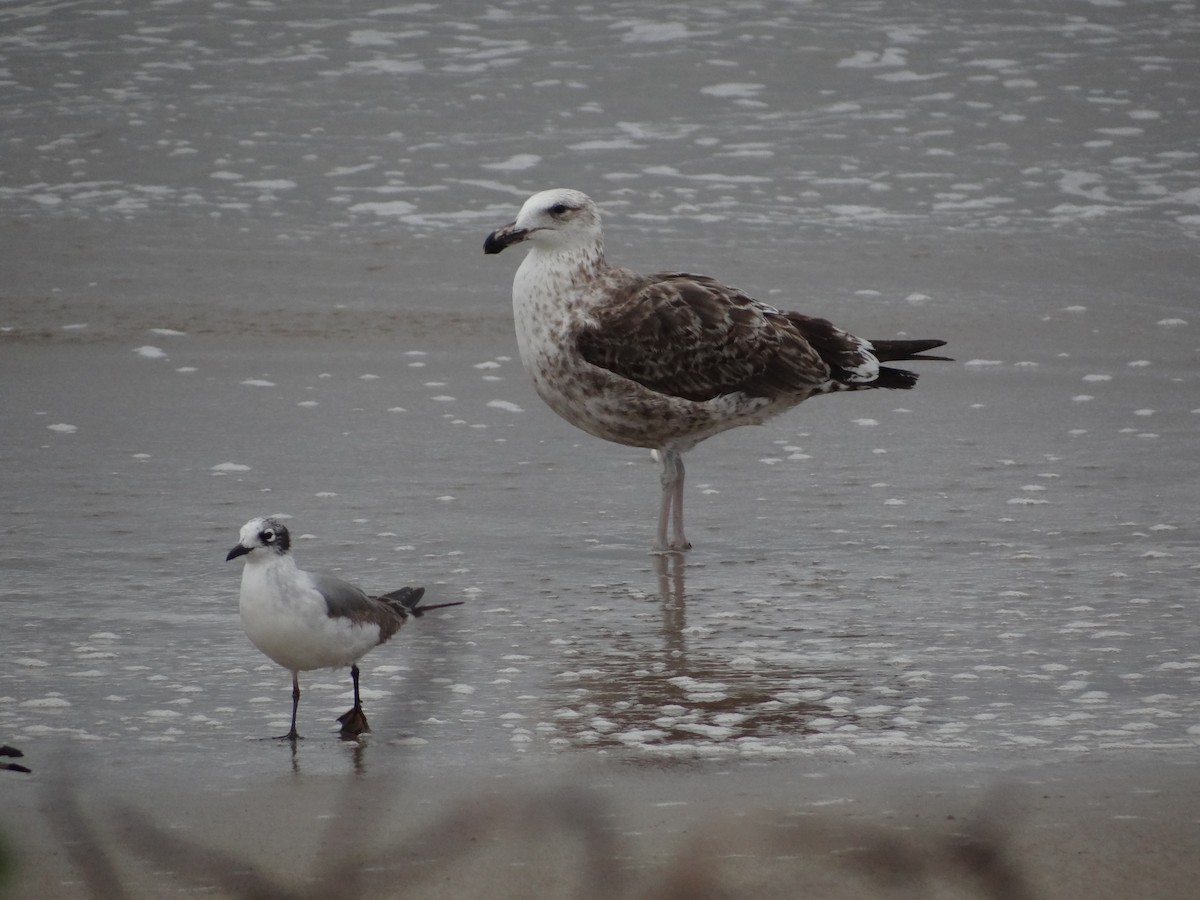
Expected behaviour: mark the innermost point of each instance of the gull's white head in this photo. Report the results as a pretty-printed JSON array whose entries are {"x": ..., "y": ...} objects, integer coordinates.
[
  {"x": 261, "y": 538},
  {"x": 556, "y": 219}
]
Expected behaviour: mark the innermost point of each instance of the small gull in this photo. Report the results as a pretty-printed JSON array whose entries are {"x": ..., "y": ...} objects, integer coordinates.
[
  {"x": 666, "y": 360},
  {"x": 304, "y": 620}
]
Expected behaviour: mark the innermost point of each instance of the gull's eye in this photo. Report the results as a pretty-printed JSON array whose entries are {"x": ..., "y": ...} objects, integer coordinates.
[
  {"x": 268, "y": 536},
  {"x": 559, "y": 209}
]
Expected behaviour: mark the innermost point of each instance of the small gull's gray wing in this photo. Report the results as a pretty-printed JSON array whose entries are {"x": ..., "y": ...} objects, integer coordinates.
[
  {"x": 692, "y": 337},
  {"x": 344, "y": 600},
  {"x": 341, "y": 597}
]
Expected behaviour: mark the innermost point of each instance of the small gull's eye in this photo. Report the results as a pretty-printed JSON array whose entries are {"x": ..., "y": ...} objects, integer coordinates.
[
  {"x": 558, "y": 209},
  {"x": 268, "y": 536}
]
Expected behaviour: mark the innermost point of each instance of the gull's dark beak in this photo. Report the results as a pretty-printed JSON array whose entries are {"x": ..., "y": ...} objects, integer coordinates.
[
  {"x": 239, "y": 550},
  {"x": 504, "y": 237}
]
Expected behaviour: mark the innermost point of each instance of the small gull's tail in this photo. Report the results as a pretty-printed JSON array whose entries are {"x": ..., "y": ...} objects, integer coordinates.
[{"x": 408, "y": 600}]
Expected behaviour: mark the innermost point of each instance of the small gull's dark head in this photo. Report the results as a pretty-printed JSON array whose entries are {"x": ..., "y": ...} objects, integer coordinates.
[{"x": 264, "y": 533}]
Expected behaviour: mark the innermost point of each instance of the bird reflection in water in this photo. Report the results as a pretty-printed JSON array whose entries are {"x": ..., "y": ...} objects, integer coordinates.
[
  {"x": 670, "y": 568},
  {"x": 691, "y": 685}
]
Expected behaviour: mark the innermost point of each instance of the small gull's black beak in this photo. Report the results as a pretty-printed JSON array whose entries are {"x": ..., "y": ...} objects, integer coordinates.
[
  {"x": 504, "y": 237},
  {"x": 239, "y": 550}
]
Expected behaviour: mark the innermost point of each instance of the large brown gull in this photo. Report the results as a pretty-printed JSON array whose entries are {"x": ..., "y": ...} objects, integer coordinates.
[{"x": 666, "y": 360}]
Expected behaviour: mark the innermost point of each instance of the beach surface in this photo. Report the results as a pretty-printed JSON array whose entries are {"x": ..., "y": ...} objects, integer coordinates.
[{"x": 944, "y": 641}]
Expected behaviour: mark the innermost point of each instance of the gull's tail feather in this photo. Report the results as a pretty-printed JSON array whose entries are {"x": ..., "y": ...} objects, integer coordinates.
[
  {"x": 895, "y": 379},
  {"x": 409, "y": 598},
  {"x": 888, "y": 377},
  {"x": 892, "y": 351}
]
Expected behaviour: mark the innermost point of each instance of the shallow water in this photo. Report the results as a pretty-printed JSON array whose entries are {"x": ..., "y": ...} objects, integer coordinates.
[{"x": 244, "y": 276}]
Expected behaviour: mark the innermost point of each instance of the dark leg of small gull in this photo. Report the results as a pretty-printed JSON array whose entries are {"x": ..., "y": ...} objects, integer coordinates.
[
  {"x": 354, "y": 720},
  {"x": 671, "y": 510},
  {"x": 293, "y": 735}
]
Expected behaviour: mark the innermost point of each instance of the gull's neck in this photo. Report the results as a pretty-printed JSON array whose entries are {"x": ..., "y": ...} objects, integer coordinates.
[
  {"x": 587, "y": 257},
  {"x": 550, "y": 272},
  {"x": 269, "y": 564},
  {"x": 553, "y": 289}
]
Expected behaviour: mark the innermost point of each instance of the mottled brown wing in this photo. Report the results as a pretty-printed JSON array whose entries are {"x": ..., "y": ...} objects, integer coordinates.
[
  {"x": 851, "y": 360},
  {"x": 692, "y": 337}
]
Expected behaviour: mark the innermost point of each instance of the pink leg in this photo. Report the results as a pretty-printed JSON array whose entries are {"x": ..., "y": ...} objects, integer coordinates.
[
  {"x": 678, "y": 540},
  {"x": 670, "y": 513},
  {"x": 664, "y": 518}
]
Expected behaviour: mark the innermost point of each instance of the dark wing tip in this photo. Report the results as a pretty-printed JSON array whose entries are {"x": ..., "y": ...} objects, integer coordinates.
[
  {"x": 895, "y": 350},
  {"x": 419, "y": 611},
  {"x": 895, "y": 379},
  {"x": 409, "y": 598}
]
